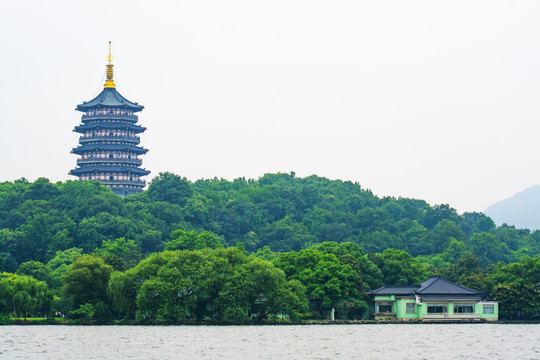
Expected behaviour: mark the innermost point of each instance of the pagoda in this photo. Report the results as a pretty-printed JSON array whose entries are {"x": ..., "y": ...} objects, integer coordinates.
[{"x": 108, "y": 145}]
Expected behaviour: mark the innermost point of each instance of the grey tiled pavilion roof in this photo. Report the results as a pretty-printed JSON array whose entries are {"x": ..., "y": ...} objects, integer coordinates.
[
  {"x": 437, "y": 285},
  {"x": 109, "y": 97},
  {"x": 402, "y": 290},
  {"x": 433, "y": 288}
]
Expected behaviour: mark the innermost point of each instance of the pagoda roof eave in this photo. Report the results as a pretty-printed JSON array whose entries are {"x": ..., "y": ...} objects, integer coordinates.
[
  {"x": 109, "y": 97},
  {"x": 111, "y": 147},
  {"x": 87, "y": 127},
  {"x": 100, "y": 169}
]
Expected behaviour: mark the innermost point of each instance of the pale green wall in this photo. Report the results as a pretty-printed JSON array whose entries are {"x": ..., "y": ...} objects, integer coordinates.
[
  {"x": 400, "y": 307},
  {"x": 480, "y": 310}
]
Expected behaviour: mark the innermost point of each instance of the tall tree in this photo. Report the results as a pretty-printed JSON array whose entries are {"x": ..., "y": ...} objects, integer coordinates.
[
  {"x": 400, "y": 268},
  {"x": 86, "y": 281}
]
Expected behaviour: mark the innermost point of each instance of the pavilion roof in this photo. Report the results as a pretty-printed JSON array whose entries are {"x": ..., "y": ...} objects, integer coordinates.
[
  {"x": 400, "y": 290},
  {"x": 435, "y": 287}
]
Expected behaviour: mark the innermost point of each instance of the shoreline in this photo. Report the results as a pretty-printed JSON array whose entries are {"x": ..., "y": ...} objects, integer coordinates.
[{"x": 58, "y": 322}]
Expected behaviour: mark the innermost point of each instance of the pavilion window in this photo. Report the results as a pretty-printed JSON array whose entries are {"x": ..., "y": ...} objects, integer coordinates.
[
  {"x": 489, "y": 309},
  {"x": 463, "y": 309},
  {"x": 437, "y": 308},
  {"x": 410, "y": 308},
  {"x": 384, "y": 307}
]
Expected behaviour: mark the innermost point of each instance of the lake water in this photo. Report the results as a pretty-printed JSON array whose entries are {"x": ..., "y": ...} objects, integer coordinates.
[{"x": 392, "y": 341}]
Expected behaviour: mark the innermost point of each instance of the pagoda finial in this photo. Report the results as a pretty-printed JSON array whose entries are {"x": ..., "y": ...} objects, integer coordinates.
[{"x": 109, "y": 83}]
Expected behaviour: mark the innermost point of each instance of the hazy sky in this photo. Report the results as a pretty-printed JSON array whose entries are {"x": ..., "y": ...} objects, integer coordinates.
[{"x": 437, "y": 100}]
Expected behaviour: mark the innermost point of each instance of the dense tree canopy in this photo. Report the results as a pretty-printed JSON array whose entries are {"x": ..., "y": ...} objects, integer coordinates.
[
  {"x": 281, "y": 211},
  {"x": 244, "y": 249}
]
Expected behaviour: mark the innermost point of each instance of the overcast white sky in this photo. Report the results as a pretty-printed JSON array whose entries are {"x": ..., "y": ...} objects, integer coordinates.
[{"x": 436, "y": 100}]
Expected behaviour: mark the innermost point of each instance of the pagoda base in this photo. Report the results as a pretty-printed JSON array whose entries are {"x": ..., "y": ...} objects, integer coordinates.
[{"x": 126, "y": 191}]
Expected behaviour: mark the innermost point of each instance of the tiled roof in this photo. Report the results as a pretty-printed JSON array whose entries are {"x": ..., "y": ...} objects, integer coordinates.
[
  {"x": 109, "y": 97},
  {"x": 435, "y": 287},
  {"x": 395, "y": 290}
]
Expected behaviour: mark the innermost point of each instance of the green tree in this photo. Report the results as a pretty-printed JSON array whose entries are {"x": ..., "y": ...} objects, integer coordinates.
[
  {"x": 192, "y": 240},
  {"x": 400, "y": 268},
  {"x": 24, "y": 295},
  {"x": 455, "y": 251},
  {"x": 257, "y": 289},
  {"x": 327, "y": 281},
  {"x": 170, "y": 188},
  {"x": 36, "y": 270},
  {"x": 348, "y": 253},
  {"x": 442, "y": 235},
  {"x": 86, "y": 281},
  {"x": 173, "y": 294},
  {"x": 488, "y": 249},
  {"x": 60, "y": 263},
  {"x": 265, "y": 253},
  {"x": 517, "y": 300},
  {"x": 150, "y": 241},
  {"x": 514, "y": 286},
  {"x": 84, "y": 311},
  {"x": 124, "y": 249},
  {"x": 467, "y": 272},
  {"x": 8, "y": 262}
]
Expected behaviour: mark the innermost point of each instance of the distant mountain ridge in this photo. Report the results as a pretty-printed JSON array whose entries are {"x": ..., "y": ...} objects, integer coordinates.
[{"x": 521, "y": 210}]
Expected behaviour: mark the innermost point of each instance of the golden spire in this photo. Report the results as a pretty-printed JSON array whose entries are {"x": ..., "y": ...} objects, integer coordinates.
[{"x": 109, "y": 83}]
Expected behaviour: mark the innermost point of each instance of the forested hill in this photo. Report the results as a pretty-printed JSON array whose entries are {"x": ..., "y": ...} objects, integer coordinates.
[
  {"x": 522, "y": 209},
  {"x": 280, "y": 211}
]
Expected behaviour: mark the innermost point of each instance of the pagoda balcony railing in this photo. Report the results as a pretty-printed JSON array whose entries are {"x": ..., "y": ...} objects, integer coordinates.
[
  {"x": 110, "y": 116},
  {"x": 136, "y": 183},
  {"x": 131, "y": 139},
  {"x": 109, "y": 161}
]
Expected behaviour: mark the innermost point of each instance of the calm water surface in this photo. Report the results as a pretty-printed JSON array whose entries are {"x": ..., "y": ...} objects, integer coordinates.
[{"x": 420, "y": 341}]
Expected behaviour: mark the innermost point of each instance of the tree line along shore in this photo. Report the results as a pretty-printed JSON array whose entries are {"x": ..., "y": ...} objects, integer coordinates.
[{"x": 280, "y": 249}]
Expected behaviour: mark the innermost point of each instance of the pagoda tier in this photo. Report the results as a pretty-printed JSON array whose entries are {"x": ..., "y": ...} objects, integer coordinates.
[
  {"x": 113, "y": 145},
  {"x": 88, "y": 170},
  {"x": 108, "y": 145},
  {"x": 104, "y": 126}
]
